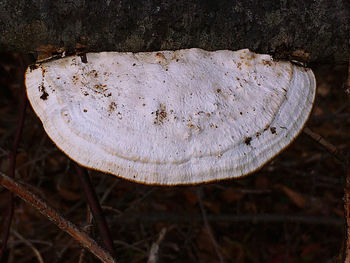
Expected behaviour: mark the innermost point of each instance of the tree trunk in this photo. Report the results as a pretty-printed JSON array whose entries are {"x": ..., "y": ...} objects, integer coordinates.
[{"x": 317, "y": 30}]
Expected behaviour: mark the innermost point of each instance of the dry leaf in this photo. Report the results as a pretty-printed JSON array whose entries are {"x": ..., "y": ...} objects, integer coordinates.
[
  {"x": 230, "y": 195},
  {"x": 298, "y": 199},
  {"x": 190, "y": 196}
]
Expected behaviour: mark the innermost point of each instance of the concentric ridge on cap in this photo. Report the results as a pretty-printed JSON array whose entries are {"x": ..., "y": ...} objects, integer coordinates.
[{"x": 172, "y": 117}]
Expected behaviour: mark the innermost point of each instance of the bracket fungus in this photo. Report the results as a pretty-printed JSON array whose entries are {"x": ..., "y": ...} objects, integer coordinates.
[{"x": 171, "y": 117}]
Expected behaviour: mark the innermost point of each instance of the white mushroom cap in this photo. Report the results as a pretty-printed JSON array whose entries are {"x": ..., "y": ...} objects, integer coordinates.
[{"x": 172, "y": 117}]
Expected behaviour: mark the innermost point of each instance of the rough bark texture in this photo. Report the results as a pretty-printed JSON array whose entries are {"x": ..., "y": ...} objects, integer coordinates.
[{"x": 319, "y": 27}]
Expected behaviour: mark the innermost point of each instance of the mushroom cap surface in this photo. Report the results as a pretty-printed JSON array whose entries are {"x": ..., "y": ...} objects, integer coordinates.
[{"x": 171, "y": 117}]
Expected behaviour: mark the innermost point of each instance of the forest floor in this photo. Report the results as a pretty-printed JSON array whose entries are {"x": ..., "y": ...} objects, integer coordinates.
[{"x": 289, "y": 211}]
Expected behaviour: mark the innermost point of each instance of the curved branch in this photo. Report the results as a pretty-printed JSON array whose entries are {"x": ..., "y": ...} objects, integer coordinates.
[{"x": 84, "y": 239}]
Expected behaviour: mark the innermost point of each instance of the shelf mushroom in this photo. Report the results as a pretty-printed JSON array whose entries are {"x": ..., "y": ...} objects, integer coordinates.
[{"x": 171, "y": 117}]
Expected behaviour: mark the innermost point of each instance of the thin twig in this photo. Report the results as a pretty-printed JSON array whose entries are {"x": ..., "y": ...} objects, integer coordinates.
[
  {"x": 208, "y": 227},
  {"x": 82, "y": 255},
  {"x": 347, "y": 216},
  {"x": 12, "y": 159},
  {"x": 138, "y": 201},
  {"x": 347, "y": 83},
  {"x": 129, "y": 246},
  {"x": 178, "y": 218},
  {"x": 324, "y": 143},
  {"x": 60, "y": 254},
  {"x": 32, "y": 247},
  {"x": 153, "y": 254},
  {"x": 89, "y": 219},
  {"x": 347, "y": 191},
  {"x": 96, "y": 209},
  {"x": 84, "y": 239},
  {"x": 87, "y": 228},
  {"x": 108, "y": 191}
]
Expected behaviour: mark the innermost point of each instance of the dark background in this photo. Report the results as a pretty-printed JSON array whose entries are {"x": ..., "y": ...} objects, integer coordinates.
[{"x": 289, "y": 211}]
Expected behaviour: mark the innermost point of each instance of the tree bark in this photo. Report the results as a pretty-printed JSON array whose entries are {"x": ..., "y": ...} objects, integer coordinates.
[{"x": 315, "y": 30}]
